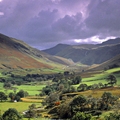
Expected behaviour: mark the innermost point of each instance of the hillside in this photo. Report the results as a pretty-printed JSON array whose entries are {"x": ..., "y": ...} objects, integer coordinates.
[
  {"x": 91, "y": 54},
  {"x": 112, "y": 63},
  {"x": 56, "y": 49},
  {"x": 111, "y": 41},
  {"x": 17, "y": 54}
]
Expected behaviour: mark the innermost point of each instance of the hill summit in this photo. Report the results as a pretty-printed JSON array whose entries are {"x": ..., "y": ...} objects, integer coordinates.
[
  {"x": 89, "y": 53},
  {"x": 17, "y": 54}
]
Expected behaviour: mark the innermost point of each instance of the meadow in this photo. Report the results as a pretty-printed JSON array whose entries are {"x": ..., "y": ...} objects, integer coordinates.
[
  {"x": 35, "y": 88},
  {"x": 19, "y": 106},
  {"x": 92, "y": 77},
  {"x": 31, "y": 89}
]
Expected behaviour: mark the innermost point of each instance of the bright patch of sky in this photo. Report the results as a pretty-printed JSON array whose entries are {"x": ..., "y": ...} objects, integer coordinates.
[
  {"x": 1, "y": 13},
  {"x": 94, "y": 39}
]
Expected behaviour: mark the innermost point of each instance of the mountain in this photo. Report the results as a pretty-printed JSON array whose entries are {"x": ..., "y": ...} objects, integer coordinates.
[
  {"x": 56, "y": 49},
  {"x": 112, "y": 63},
  {"x": 91, "y": 54},
  {"x": 17, "y": 54},
  {"x": 111, "y": 41}
]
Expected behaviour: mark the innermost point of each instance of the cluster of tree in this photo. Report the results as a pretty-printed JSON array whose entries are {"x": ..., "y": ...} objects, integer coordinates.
[
  {"x": 11, "y": 114},
  {"x": 83, "y": 106},
  {"x": 84, "y": 116},
  {"x": 38, "y": 77},
  {"x": 62, "y": 83},
  {"x": 67, "y": 76},
  {"x": 17, "y": 96},
  {"x": 13, "y": 96},
  {"x": 3, "y": 96},
  {"x": 111, "y": 79},
  {"x": 63, "y": 87},
  {"x": 18, "y": 79},
  {"x": 52, "y": 99},
  {"x": 66, "y": 85},
  {"x": 112, "y": 66},
  {"x": 9, "y": 83},
  {"x": 113, "y": 116},
  {"x": 31, "y": 112}
]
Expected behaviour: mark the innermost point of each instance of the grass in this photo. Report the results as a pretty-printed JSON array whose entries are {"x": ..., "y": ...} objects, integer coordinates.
[
  {"x": 113, "y": 70},
  {"x": 97, "y": 93},
  {"x": 31, "y": 89},
  {"x": 100, "y": 77},
  {"x": 19, "y": 106}
]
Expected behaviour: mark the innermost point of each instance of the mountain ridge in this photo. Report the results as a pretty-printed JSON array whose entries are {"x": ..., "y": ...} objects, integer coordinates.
[
  {"x": 91, "y": 54},
  {"x": 17, "y": 54}
]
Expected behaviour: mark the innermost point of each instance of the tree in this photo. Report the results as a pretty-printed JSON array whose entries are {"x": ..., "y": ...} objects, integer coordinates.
[
  {"x": 113, "y": 116},
  {"x": 81, "y": 116},
  {"x": 7, "y": 85},
  {"x": 111, "y": 80},
  {"x": 82, "y": 87},
  {"x": 64, "y": 110},
  {"x": 78, "y": 103},
  {"x": 3, "y": 96},
  {"x": 107, "y": 100},
  {"x": 11, "y": 96},
  {"x": 11, "y": 114},
  {"x": 17, "y": 98},
  {"x": 47, "y": 90},
  {"x": 31, "y": 113},
  {"x": 60, "y": 87},
  {"x": 77, "y": 80},
  {"x": 22, "y": 93},
  {"x": 52, "y": 98},
  {"x": 100, "y": 85},
  {"x": 66, "y": 73}
]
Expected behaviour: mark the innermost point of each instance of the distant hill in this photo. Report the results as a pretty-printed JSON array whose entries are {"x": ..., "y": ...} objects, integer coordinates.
[
  {"x": 112, "y": 63},
  {"x": 90, "y": 54},
  {"x": 56, "y": 49},
  {"x": 111, "y": 41},
  {"x": 17, "y": 54}
]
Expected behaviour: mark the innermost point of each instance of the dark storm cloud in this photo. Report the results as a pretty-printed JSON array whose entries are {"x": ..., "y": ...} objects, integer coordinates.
[
  {"x": 48, "y": 22},
  {"x": 104, "y": 16}
]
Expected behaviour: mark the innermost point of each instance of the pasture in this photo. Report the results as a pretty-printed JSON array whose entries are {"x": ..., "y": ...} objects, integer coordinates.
[
  {"x": 35, "y": 88},
  {"x": 19, "y": 106},
  {"x": 94, "y": 77},
  {"x": 31, "y": 89},
  {"x": 97, "y": 93}
]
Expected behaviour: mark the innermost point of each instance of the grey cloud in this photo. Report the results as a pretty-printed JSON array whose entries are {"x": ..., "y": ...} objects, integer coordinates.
[
  {"x": 39, "y": 27},
  {"x": 47, "y": 22},
  {"x": 105, "y": 16}
]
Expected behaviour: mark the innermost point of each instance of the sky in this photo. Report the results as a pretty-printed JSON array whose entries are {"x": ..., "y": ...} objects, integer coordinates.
[{"x": 46, "y": 23}]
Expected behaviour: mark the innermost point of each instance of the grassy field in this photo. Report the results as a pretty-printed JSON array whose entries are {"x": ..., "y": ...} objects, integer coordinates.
[
  {"x": 35, "y": 89},
  {"x": 20, "y": 106},
  {"x": 31, "y": 89},
  {"x": 92, "y": 78},
  {"x": 98, "y": 92}
]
